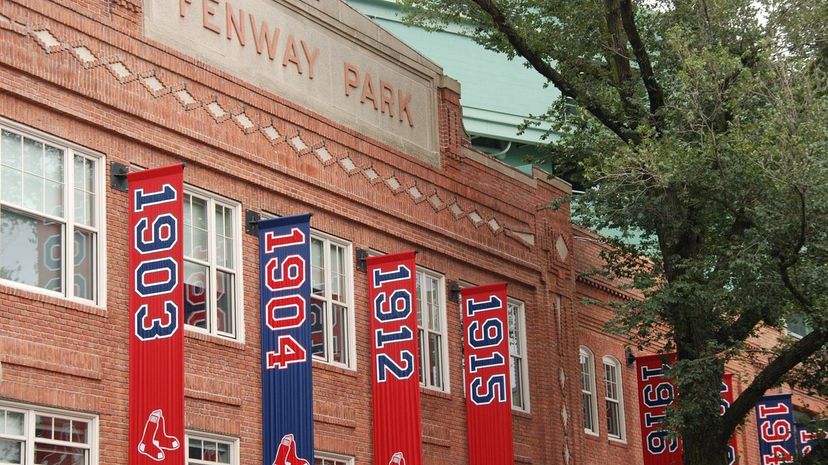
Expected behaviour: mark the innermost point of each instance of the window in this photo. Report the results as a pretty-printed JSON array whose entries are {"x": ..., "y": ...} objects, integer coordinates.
[
  {"x": 614, "y": 398},
  {"x": 517, "y": 351},
  {"x": 205, "y": 449},
  {"x": 212, "y": 252},
  {"x": 46, "y": 437},
  {"x": 321, "y": 458},
  {"x": 331, "y": 307},
  {"x": 797, "y": 326},
  {"x": 431, "y": 323},
  {"x": 50, "y": 216},
  {"x": 588, "y": 391}
]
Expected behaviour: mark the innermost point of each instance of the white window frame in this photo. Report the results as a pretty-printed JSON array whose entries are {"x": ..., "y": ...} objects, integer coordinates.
[
  {"x": 427, "y": 382},
  {"x": 615, "y": 365},
  {"x": 350, "y": 349},
  {"x": 585, "y": 353},
  {"x": 795, "y": 334},
  {"x": 238, "y": 312},
  {"x": 329, "y": 456},
  {"x": 523, "y": 356},
  {"x": 68, "y": 246},
  {"x": 30, "y": 413},
  {"x": 201, "y": 436}
]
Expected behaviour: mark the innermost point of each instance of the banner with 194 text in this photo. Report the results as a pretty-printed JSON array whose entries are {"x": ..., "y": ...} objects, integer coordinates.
[
  {"x": 394, "y": 347},
  {"x": 156, "y": 305},
  {"x": 774, "y": 420},
  {"x": 287, "y": 391},
  {"x": 488, "y": 396}
]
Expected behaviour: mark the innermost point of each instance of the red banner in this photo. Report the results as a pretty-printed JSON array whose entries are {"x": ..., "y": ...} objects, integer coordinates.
[
  {"x": 655, "y": 394},
  {"x": 727, "y": 400},
  {"x": 156, "y": 304},
  {"x": 396, "y": 385},
  {"x": 486, "y": 353}
]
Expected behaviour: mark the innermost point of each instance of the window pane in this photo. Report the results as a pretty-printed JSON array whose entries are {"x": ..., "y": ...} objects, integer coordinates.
[
  {"x": 43, "y": 427},
  {"x": 195, "y": 449},
  {"x": 33, "y": 192},
  {"x": 317, "y": 267},
  {"x": 31, "y": 250},
  {"x": 32, "y": 157},
  {"x": 195, "y": 228},
  {"x": 53, "y": 164},
  {"x": 12, "y": 186},
  {"x": 62, "y": 429},
  {"x": 80, "y": 429},
  {"x": 223, "y": 453},
  {"x": 516, "y": 367},
  {"x": 54, "y": 198},
  {"x": 90, "y": 175},
  {"x": 435, "y": 349},
  {"x": 587, "y": 401},
  {"x": 514, "y": 330},
  {"x": 14, "y": 423},
  {"x": 422, "y": 351},
  {"x": 225, "y": 295},
  {"x": 338, "y": 290},
  {"x": 47, "y": 454},
  {"x": 11, "y": 150},
  {"x": 79, "y": 171},
  {"x": 318, "y": 327},
  {"x": 613, "y": 419},
  {"x": 84, "y": 264},
  {"x": 195, "y": 295},
  {"x": 11, "y": 451},
  {"x": 340, "y": 335},
  {"x": 209, "y": 451}
]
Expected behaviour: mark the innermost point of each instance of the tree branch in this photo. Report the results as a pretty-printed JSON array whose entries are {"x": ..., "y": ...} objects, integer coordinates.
[
  {"x": 769, "y": 377},
  {"x": 654, "y": 91},
  {"x": 541, "y": 66}
]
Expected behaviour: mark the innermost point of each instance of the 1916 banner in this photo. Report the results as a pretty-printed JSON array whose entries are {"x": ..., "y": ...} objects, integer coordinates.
[
  {"x": 488, "y": 397},
  {"x": 774, "y": 420},
  {"x": 396, "y": 384},
  {"x": 156, "y": 343},
  {"x": 287, "y": 391},
  {"x": 655, "y": 394},
  {"x": 727, "y": 400}
]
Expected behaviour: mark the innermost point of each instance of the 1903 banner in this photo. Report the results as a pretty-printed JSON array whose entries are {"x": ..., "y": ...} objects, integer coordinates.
[
  {"x": 156, "y": 303},
  {"x": 287, "y": 390},
  {"x": 396, "y": 385},
  {"x": 486, "y": 353}
]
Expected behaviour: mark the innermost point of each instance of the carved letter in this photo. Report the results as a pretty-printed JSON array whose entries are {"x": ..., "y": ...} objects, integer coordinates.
[
  {"x": 234, "y": 23},
  {"x": 368, "y": 91},
  {"x": 291, "y": 56},
  {"x": 182, "y": 7},
  {"x": 387, "y": 97},
  {"x": 207, "y": 11},
  {"x": 262, "y": 37},
  {"x": 404, "y": 100},
  {"x": 310, "y": 57},
  {"x": 351, "y": 78}
]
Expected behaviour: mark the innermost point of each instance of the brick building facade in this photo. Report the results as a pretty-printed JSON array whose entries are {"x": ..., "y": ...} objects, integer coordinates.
[{"x": 86, "y": 94}]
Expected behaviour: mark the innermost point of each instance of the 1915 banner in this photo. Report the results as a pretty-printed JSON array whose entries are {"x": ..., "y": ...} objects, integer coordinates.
[
  {"x": 774, "y": 420},
  {"x": 396, "y": 384},
  {"x": 655, "y": 394},
  {"x": 488, "y": 397},
  {"x": 156, "y": 343},
  {"x": 287, "y": 391},
  {"x": 727, "y": 400}
]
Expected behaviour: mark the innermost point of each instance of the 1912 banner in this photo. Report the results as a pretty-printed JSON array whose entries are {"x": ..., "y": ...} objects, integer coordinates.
[
  {"x": 727, "y": 400},
  {"x": 774, "y": 420},
  {"x": 287, "y": 390},
  {"x": 156, "y": 294},
  {"x": 396, "y": 384},
  {"x": 488, "y": 397},
  {"x": 655, "y": 394}
]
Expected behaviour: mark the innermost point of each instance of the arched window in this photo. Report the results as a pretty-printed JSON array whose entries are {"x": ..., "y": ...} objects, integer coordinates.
[
  {"x": 588, "y": 397},
  {"x": 614, "y": 399}
]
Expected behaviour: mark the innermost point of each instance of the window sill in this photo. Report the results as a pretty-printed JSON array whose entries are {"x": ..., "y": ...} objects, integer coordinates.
[
  {"x": 618, "y": 442},
  {"x": 64, "y": 302},
  {"x": 334, "y": 368},
  {"x": 592, "y": 435},
  {"x": 434, "y": 392},
  {"x": 222, "y": 341},
  {"x": 521, "y": 413}
]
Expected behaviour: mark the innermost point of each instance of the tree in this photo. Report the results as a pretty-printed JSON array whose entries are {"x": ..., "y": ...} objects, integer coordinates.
[{"x": 701, "y": 126}]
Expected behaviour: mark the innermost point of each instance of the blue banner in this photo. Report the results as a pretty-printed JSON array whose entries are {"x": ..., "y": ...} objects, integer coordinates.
[
  {"x": 805, "y": 435},
  {"x": 774, "y": 419},
  {"x": 287, "y": 391}
]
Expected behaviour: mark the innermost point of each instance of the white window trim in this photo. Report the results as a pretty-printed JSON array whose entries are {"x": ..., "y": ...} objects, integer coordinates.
[
  {"x": 521, "y": 314},
  {"x": 441, "y": 295},
  {"x": 68, "y": 206},
  {"x": 338, "y": 457},
  {"x": 29, "y": 425},
  {"x": 234, "y": 444},
  {"x": 794, "y": 334},
  {"x": 349, "y": 283},
  {"x": 622, "y": 421},
  {"x": 239, "y": 265},
  {"x": 585, "y": 352}
]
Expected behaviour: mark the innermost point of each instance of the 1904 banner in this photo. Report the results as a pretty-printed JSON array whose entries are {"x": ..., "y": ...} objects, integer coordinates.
[
  {"x": 396, "y": 385},
  {"x": 156, "y": 303}
]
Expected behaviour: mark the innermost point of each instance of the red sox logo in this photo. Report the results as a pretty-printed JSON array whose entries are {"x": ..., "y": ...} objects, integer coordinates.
[
  {"x": 397, "y": 459},
  {"x": 155, "y": 439},
  {"x": 286, "y": 454}
]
